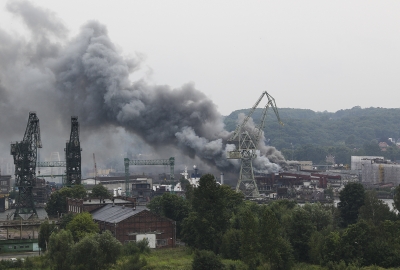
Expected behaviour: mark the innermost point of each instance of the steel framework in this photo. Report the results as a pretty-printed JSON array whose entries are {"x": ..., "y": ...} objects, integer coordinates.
[
  {"x": 25, "y": 157},
  {"x": 247, "y": 141},
  {"x": 167, "y": 162},
  {"x": 73, "y": 155}
]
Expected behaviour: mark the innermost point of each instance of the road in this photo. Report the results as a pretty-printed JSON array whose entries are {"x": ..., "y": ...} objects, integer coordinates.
[{"x": 7, "y": 256}]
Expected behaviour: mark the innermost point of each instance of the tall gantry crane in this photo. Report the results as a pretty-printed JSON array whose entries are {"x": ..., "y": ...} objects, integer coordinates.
[
  {"x": 73, "y": 155},
  {"x": 246, "y": 142},
  {"x": 25, "y": 158}
]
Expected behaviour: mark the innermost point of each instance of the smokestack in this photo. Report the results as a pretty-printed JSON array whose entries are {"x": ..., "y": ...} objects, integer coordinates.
[{"x": 222, "y": 178}]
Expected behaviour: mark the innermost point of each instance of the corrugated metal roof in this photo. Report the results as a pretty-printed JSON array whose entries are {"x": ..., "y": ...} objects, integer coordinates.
[
  {"x": 9, "y": 214},
  {"x": 116, "y": 214}
]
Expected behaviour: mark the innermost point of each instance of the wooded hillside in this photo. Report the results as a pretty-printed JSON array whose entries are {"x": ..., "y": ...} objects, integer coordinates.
[{"x": 344, "y": 133}]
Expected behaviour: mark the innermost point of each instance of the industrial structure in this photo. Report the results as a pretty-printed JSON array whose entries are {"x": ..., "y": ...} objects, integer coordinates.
[
  {"x": 73, "y": 155},
  {"x": 376, "y": 170},
  {"x": 246, "y": 142},
  {"x": 25, "y": 157},
  {"x": 166, "y": 162}
]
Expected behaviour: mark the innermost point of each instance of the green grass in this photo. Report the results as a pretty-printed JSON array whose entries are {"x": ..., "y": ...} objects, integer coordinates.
[{"x": 171, "y": 258}]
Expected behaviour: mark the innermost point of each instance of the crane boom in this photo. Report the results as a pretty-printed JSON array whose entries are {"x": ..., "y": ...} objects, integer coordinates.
[{"x": 247, "y": 146}]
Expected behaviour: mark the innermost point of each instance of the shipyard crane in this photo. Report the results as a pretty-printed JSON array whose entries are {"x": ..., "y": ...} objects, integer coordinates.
[
  {"x": 25, "y": 158},
  {"x": 95, "y": 169},
  {"x": 73, "y": 155},
  {"x": 246, "y": 142},
  {"x": 166, "y": 162}
]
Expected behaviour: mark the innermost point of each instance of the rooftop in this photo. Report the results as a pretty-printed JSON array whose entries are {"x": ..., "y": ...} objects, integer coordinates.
[{"x": 116, "y": 213}]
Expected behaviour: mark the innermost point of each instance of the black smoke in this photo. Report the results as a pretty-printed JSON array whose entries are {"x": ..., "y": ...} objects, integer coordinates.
[{"x": 87, "y": 76}]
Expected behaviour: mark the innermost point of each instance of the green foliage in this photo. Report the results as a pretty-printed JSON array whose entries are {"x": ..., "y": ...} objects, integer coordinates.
[
  {"x": 213, "y": 206},
  {"x": 275, "y": 250},
  {"x": 65, "y": 219},
  {"x": 99, "y": 191},
  {"x": 356, "y": 243},
  {"x": 57, "y": 203},
  {"x": 95, "y": 251},
  {"x": 133, "y": 262},
  {"x": 171, "y": 206},
  {"x": 396, "y": 198},
  {"x": 59, "y": 248},
  {"x": 321, "y": 215},
  {"x": 205, "y": 259},
  {"x": 231, "y": 244},
  {"x": 352, "y": 197},
  {"x": 375, "y": 210},
  {"x": 299, "y": 230},
  {"x": 45, "y": 231},
  {"x": 249, "y": 244},
  {"x": 78, "y": 192},
  {"x": 351, "y": 128},
  {"x": 140, "y": 247},
  {"x": 81, "y": 225}
]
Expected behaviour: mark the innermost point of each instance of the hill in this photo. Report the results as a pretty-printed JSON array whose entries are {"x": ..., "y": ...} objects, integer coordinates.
[{"x": 351, "y": 129}]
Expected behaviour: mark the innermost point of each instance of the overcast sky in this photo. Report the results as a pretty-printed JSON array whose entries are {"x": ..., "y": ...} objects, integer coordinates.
[{"x": 319, "y": 55}]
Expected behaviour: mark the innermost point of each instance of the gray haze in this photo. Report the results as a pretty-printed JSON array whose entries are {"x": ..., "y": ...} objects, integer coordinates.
[{"x": 88, "y": 76}]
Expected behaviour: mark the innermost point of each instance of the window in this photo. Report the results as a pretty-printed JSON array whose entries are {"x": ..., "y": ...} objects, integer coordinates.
[
  {"x": 21, "y": 246},
  {"x": 3, "y": 183},
  {"x": 26, "y": 246}
]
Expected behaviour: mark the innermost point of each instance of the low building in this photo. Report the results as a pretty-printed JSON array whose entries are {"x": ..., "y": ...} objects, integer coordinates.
[
  {"x": 5, "y": 183},
  {"x": 135, "y": 224},
  {"x": 89, "y": 205},
  {"x": 18, "y": 245}
]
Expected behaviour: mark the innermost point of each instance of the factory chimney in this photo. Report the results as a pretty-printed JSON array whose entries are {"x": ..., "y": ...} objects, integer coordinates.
[{"x": 222, "y": 178}]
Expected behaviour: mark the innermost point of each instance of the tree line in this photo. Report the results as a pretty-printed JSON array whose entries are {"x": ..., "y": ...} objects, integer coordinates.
[{"x": 218, "y": 224}]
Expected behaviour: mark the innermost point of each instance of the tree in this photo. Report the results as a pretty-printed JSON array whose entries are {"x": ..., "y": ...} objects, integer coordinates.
[
  {"x": 171, "y": 206},
  {"x": 45, "y": 230},
  {"x": 231, "y": 244},
  {"x": 81, "y": 225},
  {"x": 299, "y": 231},
  {"x": 206, "y": 259},
  {"x": 351, "y": 199},
  {"x": 249, "y": 244},
  {"x": 57, "y": 203},
  {"x": 96, "y": 251},
  {"x": 78, "y": 192},
  {"x": 60, "y": 245},
  {"x": 212, "y": 206},
  {"x": 274, "y": 249},
  {"x": 99, "y": 191},
  {"x": 375, "y": 210},
  {"x": 396, "y": 198}
]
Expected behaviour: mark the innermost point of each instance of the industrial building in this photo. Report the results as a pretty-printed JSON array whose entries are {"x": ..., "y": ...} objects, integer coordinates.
[
  {"x": 5, "y": 183},
  {"x": 376, "y": 170},
  {"x": 89, "y": 205},
  {"x": 135, "y": 224}
]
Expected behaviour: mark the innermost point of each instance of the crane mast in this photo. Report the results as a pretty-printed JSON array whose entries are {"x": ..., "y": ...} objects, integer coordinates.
[
  {"x": 25, "y": 158},
  {"x": 95, "y": 169},
  {"x": 246, "y": 142},
  {"x": 73, "y": 155}
]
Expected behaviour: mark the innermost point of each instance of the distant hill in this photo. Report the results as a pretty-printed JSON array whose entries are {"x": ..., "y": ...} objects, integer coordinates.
[{"x": 352, "y": 128}]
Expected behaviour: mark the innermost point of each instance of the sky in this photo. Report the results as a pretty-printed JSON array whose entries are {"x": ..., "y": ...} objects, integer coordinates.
[
  {"x": 155, "y": 78},
  {"x": 319, "y": 55}
]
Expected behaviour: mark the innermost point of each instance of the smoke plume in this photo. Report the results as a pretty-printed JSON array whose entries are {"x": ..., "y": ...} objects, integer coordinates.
[{"x": 87, "y": 76}]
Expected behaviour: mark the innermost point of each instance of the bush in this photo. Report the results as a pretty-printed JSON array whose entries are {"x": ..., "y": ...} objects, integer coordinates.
[
  {"x": 140, "y": 247},
  {"x": 206, "y": 260}
]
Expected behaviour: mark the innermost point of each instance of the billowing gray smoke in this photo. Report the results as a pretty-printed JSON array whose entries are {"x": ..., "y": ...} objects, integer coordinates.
[{"x": 88, "y": 77}]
